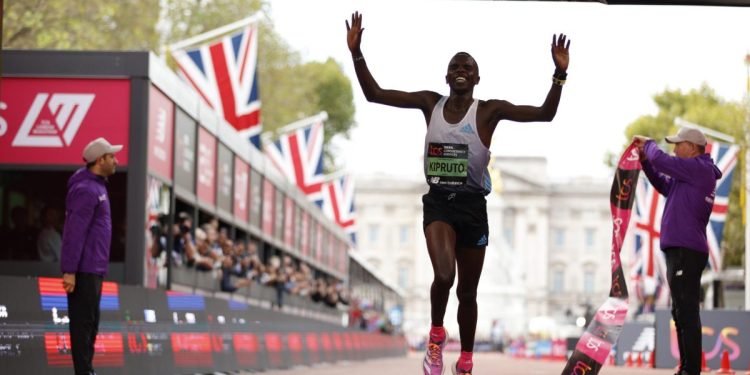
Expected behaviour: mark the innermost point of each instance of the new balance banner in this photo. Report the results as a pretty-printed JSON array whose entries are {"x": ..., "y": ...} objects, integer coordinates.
[
  {"x": 50, "y": 121},
  {"x": 241, "y": 188},
  {"x": 206, "y": 186},
  {"x": 184, "y": 153},
  {"x": 160, "y": 129},
  {"x": 224, "y": 177},
  {"x": 596, "y": 343}
]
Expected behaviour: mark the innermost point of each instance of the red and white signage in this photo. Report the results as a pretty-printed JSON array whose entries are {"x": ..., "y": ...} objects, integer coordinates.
[
  {"x": 50, "y": 121},
  {"x": 206, "y": 189},
  {"x": 241, "y": 188},
  {"x": 160, "y": 131},
  {"x": 289, "y": 222},
  {"x": 320, "y": 232},
  {"x": 305, "y": 241},
  {"x": 268, "y": 207}
]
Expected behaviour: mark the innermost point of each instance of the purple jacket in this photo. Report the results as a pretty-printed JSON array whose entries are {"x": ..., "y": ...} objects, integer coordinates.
[
  {"x": 88, "y": 225},
  {"x": 690, "y": 188}
]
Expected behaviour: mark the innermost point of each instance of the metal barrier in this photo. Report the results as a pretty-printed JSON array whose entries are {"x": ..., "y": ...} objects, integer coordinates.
[{"x": 206, "y": 283}]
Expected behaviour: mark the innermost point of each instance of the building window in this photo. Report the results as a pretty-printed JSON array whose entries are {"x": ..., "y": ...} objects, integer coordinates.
[
  {"x": 403, "y": 277},
  {"x": 590, "y": 234},
  {"x": 588, "y": 282},
  {"x": 559, "y": 237},
  {"x": 558, "y": 280},
  {"x": 508, "y": 234},
  {"x": 403, "y": 235},
  {"x": 374, "y": 233}
]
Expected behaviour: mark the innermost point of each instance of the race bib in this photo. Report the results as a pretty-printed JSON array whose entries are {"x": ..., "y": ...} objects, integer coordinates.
[{"x": 447, "y": 164}]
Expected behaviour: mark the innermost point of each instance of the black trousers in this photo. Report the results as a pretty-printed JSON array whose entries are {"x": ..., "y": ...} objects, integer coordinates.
[
  {"x": 684, "y": 268},
  {"x": 83, "y": 311}
]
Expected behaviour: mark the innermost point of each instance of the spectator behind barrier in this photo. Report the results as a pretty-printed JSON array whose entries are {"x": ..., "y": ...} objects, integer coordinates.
[
  {"x": 20, "y": 237},
  {"x": 183, "y": 245},
  {"x": 49, "y": 241}
]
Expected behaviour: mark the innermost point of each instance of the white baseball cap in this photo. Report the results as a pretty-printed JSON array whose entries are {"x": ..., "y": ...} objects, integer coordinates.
[
  {"x": 691, "y": 135},
  {"x": 97, "y": 148}
]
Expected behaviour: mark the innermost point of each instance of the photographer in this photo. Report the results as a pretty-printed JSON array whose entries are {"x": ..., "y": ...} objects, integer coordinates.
[
  {"x": 184, "y": 246},
  {"x": 158, "y": 236}
]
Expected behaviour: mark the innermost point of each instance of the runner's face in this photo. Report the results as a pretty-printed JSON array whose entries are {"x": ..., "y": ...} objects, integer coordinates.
[{"x": 463, "y": 72}]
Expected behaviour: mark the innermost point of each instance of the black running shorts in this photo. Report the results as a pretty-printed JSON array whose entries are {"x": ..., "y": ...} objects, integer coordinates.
[{"x": 465, "y": 212}]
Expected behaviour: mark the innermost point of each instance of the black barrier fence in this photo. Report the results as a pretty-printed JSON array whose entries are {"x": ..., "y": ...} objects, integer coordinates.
[
  {"x": 146, "y": 331},
  {"x": 202, "y": 282},
  {"x": 722, "y": 331}
]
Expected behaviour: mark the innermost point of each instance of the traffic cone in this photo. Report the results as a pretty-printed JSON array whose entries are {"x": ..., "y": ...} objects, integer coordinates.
[
  {"x": 652, "y": 360},
  {"x": 612, "y": 359},
  {"x": 704, "y": 367},
  {"x": 639, "y": 359},
  {"x": 628, "y": 359},
  {"x": 725, "y": 366}
]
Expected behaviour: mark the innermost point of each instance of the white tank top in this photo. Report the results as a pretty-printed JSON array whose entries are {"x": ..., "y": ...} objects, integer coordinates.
[{"x": 455, "y": 159}]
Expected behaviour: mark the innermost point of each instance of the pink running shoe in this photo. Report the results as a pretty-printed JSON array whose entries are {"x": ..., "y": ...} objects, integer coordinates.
[{"x": 433, "y": 358}]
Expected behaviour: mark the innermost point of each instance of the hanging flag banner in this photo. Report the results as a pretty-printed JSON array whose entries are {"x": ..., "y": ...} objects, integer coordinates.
[
  {"x": 338, "y": 203},
  {"x": 298, "y": 154},
  {"x": 224, "y": 73},
  {"x": 595, "y": 345}
]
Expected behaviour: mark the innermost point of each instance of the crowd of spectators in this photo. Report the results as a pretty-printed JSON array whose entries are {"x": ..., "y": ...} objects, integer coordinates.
[
  {"x": 25, "y": 242},
  {"x": 238, "y": 263}
]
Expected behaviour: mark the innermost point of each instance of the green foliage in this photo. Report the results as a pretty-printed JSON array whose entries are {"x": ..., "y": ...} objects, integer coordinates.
[
  {"x": 81, "y": 25},
  {"x": 703, "y": 107}
]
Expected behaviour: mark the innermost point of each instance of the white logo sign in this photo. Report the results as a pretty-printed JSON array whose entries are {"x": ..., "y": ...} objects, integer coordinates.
[
  {"x": 3, "y": 123},
  {"x": 645, "y": 342},
  {"x": 69, "y": 111},
  {"x": 160, "y": 135},
  {"x": 59, "y": 320},
  {"x": 3, "y": 311},
  {"x": 149, "y": 316}
]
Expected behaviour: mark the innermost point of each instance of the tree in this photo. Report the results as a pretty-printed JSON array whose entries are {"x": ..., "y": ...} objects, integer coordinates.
[
  {"x": 81, "y": 25},
  {"x": 289, "y": 89},
  {"x": 702, "y": 106}
]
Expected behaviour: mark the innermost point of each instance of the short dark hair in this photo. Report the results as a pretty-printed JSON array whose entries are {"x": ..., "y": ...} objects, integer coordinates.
[
  {"x": 466, "y": 54},
  {"x": 701, "y": 149}
]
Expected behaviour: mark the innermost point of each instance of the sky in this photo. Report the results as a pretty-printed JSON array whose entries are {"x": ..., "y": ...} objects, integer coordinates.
[{"x": 620, "y": 57}]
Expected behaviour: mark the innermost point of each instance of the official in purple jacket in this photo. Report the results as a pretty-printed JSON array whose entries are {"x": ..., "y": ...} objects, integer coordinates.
[
  {"x": 85, "y": 247},
  {"x": 688, "y": 181}
]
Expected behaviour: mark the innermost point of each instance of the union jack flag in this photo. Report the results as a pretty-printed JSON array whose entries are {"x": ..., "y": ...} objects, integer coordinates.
[
  {"x": 224, "y": 73},
  {"x": 338, "y": 203},
  {"x": 648, "y": 265},
  {"x": 298, "y": 155},
  {"x": 725, "y": 157}
]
